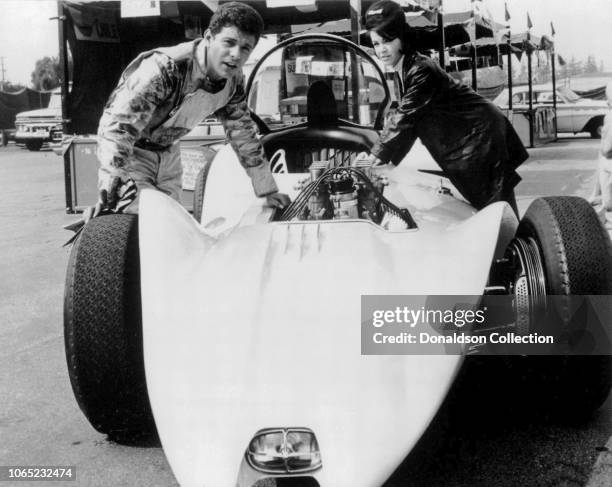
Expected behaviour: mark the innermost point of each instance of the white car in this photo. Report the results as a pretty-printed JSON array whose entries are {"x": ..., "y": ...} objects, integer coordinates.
[
  {"x": 250, "y": 340},
  {"x": 574, "y": 113}
]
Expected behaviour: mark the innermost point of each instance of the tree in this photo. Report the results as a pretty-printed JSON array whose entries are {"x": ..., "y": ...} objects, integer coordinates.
[
  {"x": 46, "y": 74},
  {"x": 9, "y": 87},
  {"x": 591, "y": 65},
  {"x": 575, "y": 67}
]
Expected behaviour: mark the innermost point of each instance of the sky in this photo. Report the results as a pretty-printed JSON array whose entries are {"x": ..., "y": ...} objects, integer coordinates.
[{"x": 582, "y": 28}]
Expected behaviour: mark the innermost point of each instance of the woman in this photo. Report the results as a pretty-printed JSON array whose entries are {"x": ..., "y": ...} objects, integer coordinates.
[{"x": 468, "y": 136}]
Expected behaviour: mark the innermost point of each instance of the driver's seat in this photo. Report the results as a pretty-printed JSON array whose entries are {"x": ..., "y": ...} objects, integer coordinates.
[
  {"x": 322, "y": 138},
  {"x": 321, "y": 106}
]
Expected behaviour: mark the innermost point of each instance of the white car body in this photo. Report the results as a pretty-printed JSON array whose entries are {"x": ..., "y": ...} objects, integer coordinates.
[{"x": 242, "y": 289}]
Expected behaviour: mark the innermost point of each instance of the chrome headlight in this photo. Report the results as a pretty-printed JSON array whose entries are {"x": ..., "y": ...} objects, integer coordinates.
[{"x": 284, "y": 450}]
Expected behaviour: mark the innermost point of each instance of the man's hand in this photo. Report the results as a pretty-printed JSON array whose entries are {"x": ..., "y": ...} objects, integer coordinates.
[
  {"x": 114, "y": 197},
  {"x": 108, "y": 196},
  {"x": 278, "y": 200}
]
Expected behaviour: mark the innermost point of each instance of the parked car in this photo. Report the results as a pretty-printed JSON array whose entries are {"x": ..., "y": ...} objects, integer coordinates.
[
  {"x": 36, "y": 127},
  {"x": 247, "y": 322},
  {"x": 574, "y": 114}
]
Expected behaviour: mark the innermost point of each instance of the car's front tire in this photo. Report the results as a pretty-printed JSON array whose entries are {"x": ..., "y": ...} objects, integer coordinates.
[
  {"x": 103, "y": 328},
  {"x": 576, "y": 254},
  {"x": 34, "y": 145}
]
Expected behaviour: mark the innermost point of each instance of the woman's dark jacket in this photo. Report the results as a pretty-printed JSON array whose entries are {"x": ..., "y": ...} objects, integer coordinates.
[{"x": 468, "y": 136}]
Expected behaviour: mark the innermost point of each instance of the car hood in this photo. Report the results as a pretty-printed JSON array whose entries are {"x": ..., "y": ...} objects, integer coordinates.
[
  {"x": 586, "y": 102},
  {"x": 41, "y": 113},
  {"x": 260, "y": 328}
]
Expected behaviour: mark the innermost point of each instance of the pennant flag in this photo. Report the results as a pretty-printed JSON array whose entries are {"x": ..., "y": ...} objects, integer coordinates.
[
  {"x": 552, "y": 29},
  {"x": 470, "y": 28},
  {"x": 561, "y": 60},
  {"x": 482, "y": 13},
  {"x": 506, "y": 14},
  {"x": 420, "y": 5},
  {"x": 434, "y": 5},
  {"x": 529, "y": 24}
]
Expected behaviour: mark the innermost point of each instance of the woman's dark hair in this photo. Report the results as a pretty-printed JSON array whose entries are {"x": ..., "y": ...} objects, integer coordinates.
[
  {"x": 240, "y": 15},
  {"x": 387, "y": 19}
]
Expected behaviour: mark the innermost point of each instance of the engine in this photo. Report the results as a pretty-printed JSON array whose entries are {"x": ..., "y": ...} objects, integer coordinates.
[{"x": 338, "y": 193}]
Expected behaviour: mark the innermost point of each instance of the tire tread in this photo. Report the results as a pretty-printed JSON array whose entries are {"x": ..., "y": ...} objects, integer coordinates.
[
  {"x": 577, "y": 257},
  {"x": 103, "y": 328}
]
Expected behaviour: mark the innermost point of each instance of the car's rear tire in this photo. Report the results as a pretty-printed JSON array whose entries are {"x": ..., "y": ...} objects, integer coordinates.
[
  {"x": 576, "y": 253},
  {"x": 34, "y": 145},
  {"x": 198, "y": 193},
  {"x": 103, "y": 328},
  {"x": 4, "y": 138}
]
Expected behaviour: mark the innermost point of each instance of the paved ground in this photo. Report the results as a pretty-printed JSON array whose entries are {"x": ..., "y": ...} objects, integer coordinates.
[
  {"x": 563, "y": 168},
  {"x": 40, "y": 423}
]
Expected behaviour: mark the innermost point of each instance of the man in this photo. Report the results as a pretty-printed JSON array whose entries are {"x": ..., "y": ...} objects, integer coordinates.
[{"x": 163, "y": 94}]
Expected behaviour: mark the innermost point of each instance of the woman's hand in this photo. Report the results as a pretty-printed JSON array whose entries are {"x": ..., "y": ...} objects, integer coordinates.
[{"x": 370, "y": 159}]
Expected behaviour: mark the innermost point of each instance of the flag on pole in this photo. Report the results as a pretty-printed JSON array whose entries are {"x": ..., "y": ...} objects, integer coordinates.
[
  {"x": 470, "y": 24},
  {"x": 529, "y": 24},
  {"x": 552, "y": 29},
  {"x": 506, "y": 13},
  {"x": 434, "y": 5},
  {"x": 420, "y": 5},
  {"x": 481, "y": 12},
  {"x": 470, "y": 27},
  {"x": 561, "y": 60}
]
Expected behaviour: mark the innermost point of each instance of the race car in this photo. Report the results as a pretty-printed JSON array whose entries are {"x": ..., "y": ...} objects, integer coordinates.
[{"x": 238, "y": 334}]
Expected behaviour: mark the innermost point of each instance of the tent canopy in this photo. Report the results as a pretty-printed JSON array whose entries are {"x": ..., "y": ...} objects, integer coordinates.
[
  {"x": 20, "y": 101},
  {"x": 458, "y": 29}
]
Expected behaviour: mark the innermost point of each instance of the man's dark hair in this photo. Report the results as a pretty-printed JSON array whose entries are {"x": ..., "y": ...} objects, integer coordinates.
[{"x": 240, "y": 15}]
